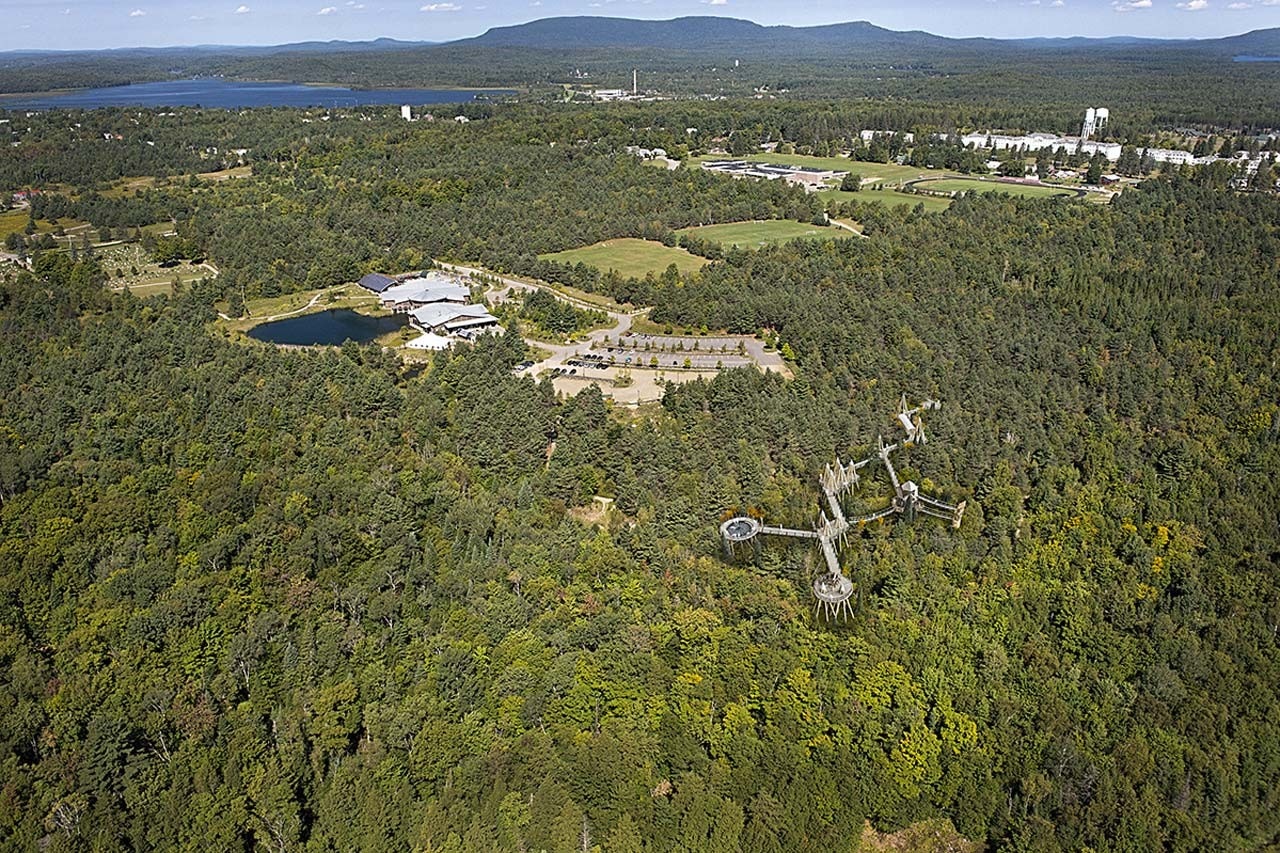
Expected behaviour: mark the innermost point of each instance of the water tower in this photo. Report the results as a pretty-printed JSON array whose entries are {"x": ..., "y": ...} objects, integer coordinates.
[{"x": 1095, "y": 119}]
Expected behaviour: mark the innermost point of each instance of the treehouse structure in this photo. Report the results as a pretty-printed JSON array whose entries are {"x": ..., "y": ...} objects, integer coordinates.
[{"x": 833, "y": 589}]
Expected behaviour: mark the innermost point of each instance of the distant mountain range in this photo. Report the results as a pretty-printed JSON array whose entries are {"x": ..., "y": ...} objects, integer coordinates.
[
  {"x": 701, "y": 33},
  {"x": 717, "y": 33},
  {"x": 335, "y": 46}
]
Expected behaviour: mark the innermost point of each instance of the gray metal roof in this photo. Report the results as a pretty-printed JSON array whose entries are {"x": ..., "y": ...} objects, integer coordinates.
[{"x": 377, "y": 282}]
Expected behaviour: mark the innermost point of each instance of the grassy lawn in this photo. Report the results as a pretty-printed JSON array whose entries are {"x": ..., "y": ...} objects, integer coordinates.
[
  {"x": 127, "y": 186},
  {"x": 752, "y": 235},
  {"x": 630, "y": 257},
  {"x": 224, "y": 174},
  {"x": 969, "y": 185},
  {"x": 892, "y": 198},
  {"x": 294, "y": 304},
  {"x": 16, "y": 220}
]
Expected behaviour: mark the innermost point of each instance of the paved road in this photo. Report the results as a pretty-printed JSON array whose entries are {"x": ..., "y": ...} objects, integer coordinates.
[{"x": 560, "y": 353}]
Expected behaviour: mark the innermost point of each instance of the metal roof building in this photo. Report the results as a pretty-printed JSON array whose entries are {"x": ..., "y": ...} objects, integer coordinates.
[
  {"x": 442, "y": 315},
  {"x": 425, "y": 290},
  {"x": 377, "y": 282}
]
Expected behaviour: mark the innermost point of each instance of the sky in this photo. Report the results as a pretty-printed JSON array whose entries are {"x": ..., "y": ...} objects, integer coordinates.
[{"x": 83, "y": 24}]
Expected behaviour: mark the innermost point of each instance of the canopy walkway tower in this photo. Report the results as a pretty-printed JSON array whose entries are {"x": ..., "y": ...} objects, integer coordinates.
[{"x": 833, "y": 589}]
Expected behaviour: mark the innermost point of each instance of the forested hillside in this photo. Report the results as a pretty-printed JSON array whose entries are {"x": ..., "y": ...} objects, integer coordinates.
[
  {"x": 1171, "y": 83},
  {"x": 269, "y": 599}
]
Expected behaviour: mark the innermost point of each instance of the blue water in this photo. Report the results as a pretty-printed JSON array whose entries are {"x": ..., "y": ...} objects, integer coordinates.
[
  {"x": 233, "y": 95},
  {"x": 1247, "y": 58},
  {"x": 328, "y": 327}
]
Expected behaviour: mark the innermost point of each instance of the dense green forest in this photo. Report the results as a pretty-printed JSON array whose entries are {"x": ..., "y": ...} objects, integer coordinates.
[
  {"x": 265, "y": 599},
  {"x": 335, "y": 195}
]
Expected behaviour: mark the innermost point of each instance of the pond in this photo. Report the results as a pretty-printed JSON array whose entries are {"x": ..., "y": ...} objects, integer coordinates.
[
  {"x": 328, "y": 328},
  {"x": 217, "y": 93}
]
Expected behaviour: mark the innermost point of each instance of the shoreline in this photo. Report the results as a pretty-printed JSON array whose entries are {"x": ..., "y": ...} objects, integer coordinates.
[{"x": 64, "y": 91}]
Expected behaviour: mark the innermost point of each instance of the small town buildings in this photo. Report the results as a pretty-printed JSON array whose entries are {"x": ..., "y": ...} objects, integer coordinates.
[{"x": 805, "y": 176}]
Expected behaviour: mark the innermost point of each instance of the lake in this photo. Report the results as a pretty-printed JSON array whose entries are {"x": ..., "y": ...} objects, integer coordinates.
[
  {"x": 327, "y": 327},
  {"x": 217, "y": 93}
]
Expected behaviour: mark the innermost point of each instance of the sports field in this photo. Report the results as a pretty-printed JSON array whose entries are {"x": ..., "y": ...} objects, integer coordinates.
[
  {"x": 752, "y": 235},
  {"x": 951, "y": 185},
  {"x": 629, "y": 257}
]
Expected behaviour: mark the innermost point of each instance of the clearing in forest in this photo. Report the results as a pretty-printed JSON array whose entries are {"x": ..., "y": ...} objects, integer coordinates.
[
  {"x": 932, "y": 204},
  {"x": 763, "y": 232},
  {"x": 630, "y": 257},
  {"x": 951, "y": 185}
]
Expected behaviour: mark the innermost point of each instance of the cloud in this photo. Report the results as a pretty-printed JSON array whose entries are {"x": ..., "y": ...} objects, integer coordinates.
[
  {"x": 1239, "y": 5},
  {"x": 1130, "y": 6},
  {"x": 1194, "y": 5},
  {"x": 198, "y": 18},
  {"x": 718, "y": 2},
  {"x": 137, "y": 13},
  {"x": 327, "y": 10},
  {"x": 1057, "y": 4},
  {"x": 441, "y": 7},
  {"x": 243, "y": 10}
]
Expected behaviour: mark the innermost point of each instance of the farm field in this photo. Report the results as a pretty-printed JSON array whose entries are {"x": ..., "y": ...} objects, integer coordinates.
[
  {"x": 630, "y": 257},
  {"x": 970, "y": 185},
  {"x": 752, "y": 235},
  {"x": 932, "y": 204}
]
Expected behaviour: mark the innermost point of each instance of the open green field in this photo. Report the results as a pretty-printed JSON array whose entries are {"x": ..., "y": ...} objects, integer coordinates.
[
  {"x": 951, "y": 185},
  {"x": 932, "y": 204},
  {"x": 630, "y": 257},
  {"x": 752, "y": 235},
  {"x": 269, "y": 308},
  {"x": 16, "y": 220}
]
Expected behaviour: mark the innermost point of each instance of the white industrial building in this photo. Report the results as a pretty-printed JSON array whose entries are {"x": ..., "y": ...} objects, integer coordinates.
[
  {"x": 1174, "y": 156},
  {"x": 868, "y": 136},
  {"x": 1041, "y": 141}
]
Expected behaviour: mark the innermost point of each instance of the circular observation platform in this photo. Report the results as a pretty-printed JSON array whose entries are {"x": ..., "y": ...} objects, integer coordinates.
[
  {"x": 833, "y": 589},
  {"x": 737, "y": 530}
]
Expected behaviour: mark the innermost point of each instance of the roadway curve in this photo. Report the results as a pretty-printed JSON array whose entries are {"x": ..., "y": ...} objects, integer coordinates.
[
  {"x": 622, "y": 320},
  {"x": 560, "y": 353}
]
